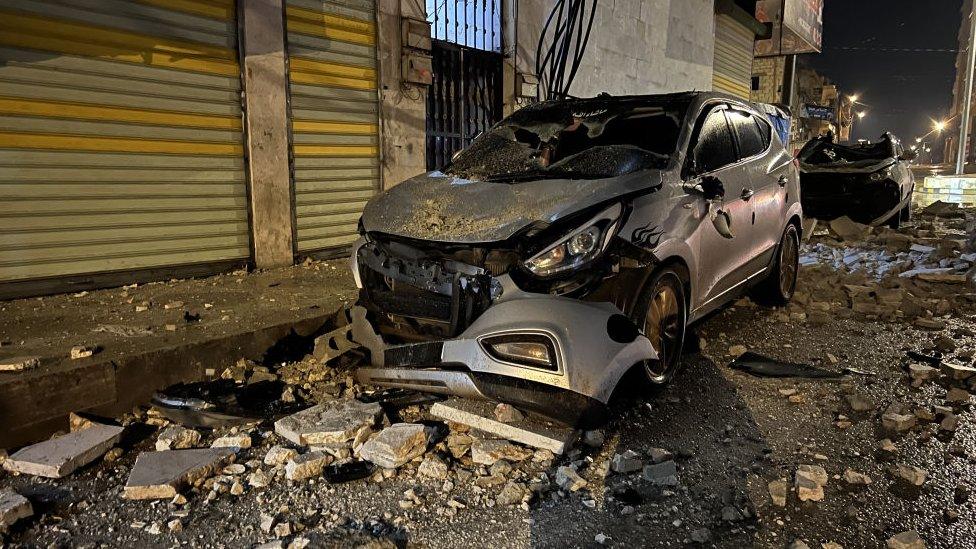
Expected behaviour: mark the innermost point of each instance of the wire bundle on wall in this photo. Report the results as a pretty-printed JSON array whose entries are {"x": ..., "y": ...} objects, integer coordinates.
[{"x": 570, "y": 33}]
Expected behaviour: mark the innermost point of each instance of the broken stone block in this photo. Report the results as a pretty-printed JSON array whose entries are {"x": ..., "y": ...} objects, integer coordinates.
[
  {"x": 860, "y": 403},
  {"x": 530, "y": 431},
  {"x": 810, "y": 481},
  {"x": 395, "y": 445},
  {"x": 957, "y": 395},
  {"x": 906, "y": 540},
  {"x": 857, "y": 479},
  {"x": 506, "y": 413},
  {"x": 949, "y": 423},
  {"x": 82, "y": 351},
  {"x": 334, "y": 422},
  {"x": 19, "y": 363},
  {"x": 13, "y": 507},
  {"x": 957, "y": 372},
  {"x": 487, "y": 452},
  {"x": 778, "y": 491},
  {"x": 61, "y": 456},
  {"x": 627, "y": 462},
  {"x": 458, "y": 444},
  {"x": 897, "y": 423},
  {"x": 511, "y": 494},
  {"x": 161, "y": 475},
  {"x": 920, "y": 372},
  {"x": 568, "y": 479},
  {"x": 279, "y": 455},
  {"x": 242, "y": 440},
  {"x": 663, "y": 474},
  {"x": 915, "y": 476},
  {"x": 659, "y": 455},
  {"x": 433, "y": 467},
  {"x": 735, "y": 351},
  {"x": 594, "y": 438},
  {"x": 849, "y": 230},
  {"x": 177, "y": 437},
  {"x": 307, "y": 465}
]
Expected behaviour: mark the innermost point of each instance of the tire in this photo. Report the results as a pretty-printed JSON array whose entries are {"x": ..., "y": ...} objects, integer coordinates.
[
  {"x": 906, "y": 213},
  {"x": 661, "y": 312},
  {"x": 777, "y": 289}
]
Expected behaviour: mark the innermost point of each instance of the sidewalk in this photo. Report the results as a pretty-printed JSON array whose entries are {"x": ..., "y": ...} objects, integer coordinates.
[{"x": 150, "y": 336}]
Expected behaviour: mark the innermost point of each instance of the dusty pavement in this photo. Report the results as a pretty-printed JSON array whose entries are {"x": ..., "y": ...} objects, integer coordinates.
[{"x": 730, "y": 434}]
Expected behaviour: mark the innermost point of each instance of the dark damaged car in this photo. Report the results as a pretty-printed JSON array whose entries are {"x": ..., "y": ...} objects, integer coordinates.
[
  {"x": 871, "y": 183},
  {"x": 572, "y": 244}
]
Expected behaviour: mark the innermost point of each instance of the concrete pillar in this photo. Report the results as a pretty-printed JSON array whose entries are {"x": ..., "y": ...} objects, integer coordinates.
[{"x": 266, "y": 124}]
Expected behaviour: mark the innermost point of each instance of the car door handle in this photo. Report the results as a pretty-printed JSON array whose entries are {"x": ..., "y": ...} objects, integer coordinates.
[
  {"x": 783, "y": 180},
  {"x": 747, "y": 194}
]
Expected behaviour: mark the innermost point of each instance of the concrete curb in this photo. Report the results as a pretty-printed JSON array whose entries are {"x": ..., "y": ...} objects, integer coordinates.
[{"x": 36, "y": 403}]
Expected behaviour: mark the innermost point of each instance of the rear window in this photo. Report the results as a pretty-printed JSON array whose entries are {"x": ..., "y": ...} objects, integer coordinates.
[{"x": 823, "y": 152}]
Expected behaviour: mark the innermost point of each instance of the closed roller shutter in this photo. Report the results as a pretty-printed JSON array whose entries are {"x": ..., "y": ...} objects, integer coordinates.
[
  {"x": 120, "y": 136},
  {"x": 734, "y": 44},
  {"x": 335, "y": 133}
]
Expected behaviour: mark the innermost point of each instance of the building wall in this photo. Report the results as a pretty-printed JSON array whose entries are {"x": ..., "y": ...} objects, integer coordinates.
[
  {"x": 636, "y": 46},
  {"x": 767, "y": 72}
]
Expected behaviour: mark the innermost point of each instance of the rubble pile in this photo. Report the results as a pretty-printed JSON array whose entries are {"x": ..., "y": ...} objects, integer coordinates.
[{"x": 918, "y": 273}]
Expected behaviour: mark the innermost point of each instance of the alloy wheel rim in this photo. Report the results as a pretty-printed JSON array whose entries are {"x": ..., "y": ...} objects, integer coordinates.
[
  {"x": 789, "y": 256},
  {"x": 663, "y": 329}
]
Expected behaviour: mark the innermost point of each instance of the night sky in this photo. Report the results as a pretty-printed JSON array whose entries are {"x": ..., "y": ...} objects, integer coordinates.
[{"x": 903, "y": 90}]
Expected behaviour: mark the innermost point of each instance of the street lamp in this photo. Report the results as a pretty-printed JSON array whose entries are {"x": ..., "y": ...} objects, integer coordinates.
[
  {"x": 853, "y": 98},
  {"x": 861, "y": 115},
  {"x": 940, "y": 125}
]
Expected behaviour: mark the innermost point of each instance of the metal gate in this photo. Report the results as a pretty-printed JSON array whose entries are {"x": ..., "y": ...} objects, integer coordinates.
[
  {"x": 465, "y": 99},
  {"x": 120, "y": 137},
  {"x": 732, "y": 70}
]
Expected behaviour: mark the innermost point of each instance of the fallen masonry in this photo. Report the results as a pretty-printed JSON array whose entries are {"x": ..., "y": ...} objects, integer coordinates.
[
  {"x": 906, "y": 540},
  {"x": 530, "y": 431},
  {"x": 13, "y": 507},
  {"x": 810, "y": 481},
  {"x": 664, "y": 473},
  {"x": 19, "y": 363},
  {"x": 176, "y": 437},
  {"x": 307, "y": 465},
  {"x": 58, "y": 457},
  {"x": 490, "y": 451},
  {"x": 332, "y": 422},
  {"x": 395, "y": 445},
  {"x": 161, "y": 475}
]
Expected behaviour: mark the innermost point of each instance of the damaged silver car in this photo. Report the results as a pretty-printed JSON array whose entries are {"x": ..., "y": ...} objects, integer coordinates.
[{"x": 573, "y": 243}]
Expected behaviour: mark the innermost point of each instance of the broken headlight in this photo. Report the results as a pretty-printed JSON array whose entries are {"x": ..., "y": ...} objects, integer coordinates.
[
  {"x": 578, "y": 247},
  {"x": 536, "y": 350}
]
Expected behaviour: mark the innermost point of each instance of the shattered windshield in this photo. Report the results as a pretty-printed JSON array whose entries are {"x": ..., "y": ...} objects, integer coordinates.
[
  {"x": 574, "y": 140},
  {"x": 825, "y": 153}
]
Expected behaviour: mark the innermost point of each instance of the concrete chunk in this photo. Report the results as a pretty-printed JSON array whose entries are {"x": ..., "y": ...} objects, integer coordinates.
[
  {"x": 161, "y": 475},
  {"x": 906, "y": 540},
  {"x": 13, "y": 507},
  {"x": 395, "y": 445},
  {"x": 529, "y": 431},
  {"x": 177, "y": 437},
  {"x": 19, "y": 363},
  {"x": 334, "y": 422},
  {"x": 61, "y": 456},
  {"x": 487, "y": 452},
  {"x": 307, "y": 465}
]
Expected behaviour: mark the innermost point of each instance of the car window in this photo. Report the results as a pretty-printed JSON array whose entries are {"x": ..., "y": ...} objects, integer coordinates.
[
  {"x": 714, "y": 147},
  {"x": 751, "y": 141},
  {"x": 765, "y": 130}
]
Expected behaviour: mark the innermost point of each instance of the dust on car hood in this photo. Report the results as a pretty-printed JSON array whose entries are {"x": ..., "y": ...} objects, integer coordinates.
[{"x": 445, "y": 208}]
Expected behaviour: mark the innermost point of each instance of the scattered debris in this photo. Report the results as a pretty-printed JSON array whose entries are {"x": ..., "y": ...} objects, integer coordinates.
[
  {"x": 568, "y": 479},
  {"x": 627, "y": 462},
  {"x": 779, "y": 491},
  {"x": 20, "y": 363},
  {"x": 176, "y": 437},
  {"x": 82, "y": 351},
  {"x": 307, "y": 465},
  {"x": 810, "y": 481},
  {"x": 395, "y": 445},
  {"x": 62, "y": 455},
  {"x": 333, "y": 422},
  {"x": 906, "y": 540}
]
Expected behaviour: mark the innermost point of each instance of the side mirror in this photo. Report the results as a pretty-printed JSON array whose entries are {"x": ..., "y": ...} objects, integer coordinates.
[{"x": 708, "y": 187}]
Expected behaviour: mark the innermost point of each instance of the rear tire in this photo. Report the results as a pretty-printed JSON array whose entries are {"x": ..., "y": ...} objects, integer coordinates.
[
  {"x": 661, "y": 311},
  {"x": 777, "y": 289}
]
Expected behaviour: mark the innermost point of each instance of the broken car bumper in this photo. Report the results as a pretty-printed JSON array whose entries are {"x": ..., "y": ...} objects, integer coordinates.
[{"x": 557, "y": 356}]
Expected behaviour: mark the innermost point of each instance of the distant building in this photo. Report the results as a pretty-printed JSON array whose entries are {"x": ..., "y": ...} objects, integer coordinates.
[{"x": 959, "y": 90}]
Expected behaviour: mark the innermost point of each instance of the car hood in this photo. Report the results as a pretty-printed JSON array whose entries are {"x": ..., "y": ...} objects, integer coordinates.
[
  {"x": 444, "y": 208},
  {"x": 861, "y": 166}
]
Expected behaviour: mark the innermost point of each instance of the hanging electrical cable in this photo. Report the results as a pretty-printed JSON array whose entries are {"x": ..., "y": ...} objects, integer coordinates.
[{"x": 567, "y": 31}]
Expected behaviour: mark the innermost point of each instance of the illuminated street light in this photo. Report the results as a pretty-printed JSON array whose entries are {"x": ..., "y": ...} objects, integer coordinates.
[
  {"x": 854, "y": 98},
  {"x": 940, "y": 125},
  {"x": 861, "y": 115},
  {"x": 918, "y": 139},
  {"x": 914, "y": 147}
]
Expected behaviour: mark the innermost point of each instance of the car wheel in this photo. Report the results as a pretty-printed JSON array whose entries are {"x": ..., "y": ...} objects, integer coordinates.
[
  {"x": 663, "y": 315},
  {"x": 905, "y": 214},
  {"x": 777, "y": 289}
]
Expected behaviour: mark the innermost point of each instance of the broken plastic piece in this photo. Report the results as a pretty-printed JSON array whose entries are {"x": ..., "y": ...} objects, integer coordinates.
[
  {"x": 221, "y": 403},
  {"x": 763, "y": 366}
]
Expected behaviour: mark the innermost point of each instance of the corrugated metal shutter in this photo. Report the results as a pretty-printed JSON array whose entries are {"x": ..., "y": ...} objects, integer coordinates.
[
  {"x": 732, "y": 71},
  {"x": 120, "y": 136},
  {"x": 335, "y": 130}
]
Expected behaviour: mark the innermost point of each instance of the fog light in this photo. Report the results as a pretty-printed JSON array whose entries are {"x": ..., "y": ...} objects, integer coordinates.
[{"x": 534, "y": 350}]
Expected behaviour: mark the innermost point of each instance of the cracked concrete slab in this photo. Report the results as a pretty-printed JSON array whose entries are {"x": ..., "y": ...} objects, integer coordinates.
[
  {"x": 530, "y": 431},
  {"x": 61, "y": 456},
  {"x": 334, "y": 422},
  {"x": 161, "y": 475}
]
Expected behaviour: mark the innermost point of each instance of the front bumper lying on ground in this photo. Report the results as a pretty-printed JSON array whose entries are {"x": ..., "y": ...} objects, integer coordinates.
[{"x": 553, "y": 355}]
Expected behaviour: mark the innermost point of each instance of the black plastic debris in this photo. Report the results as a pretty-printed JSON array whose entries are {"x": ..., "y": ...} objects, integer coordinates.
[
  {"x": 222, "y": 403},
  {"x": 763, "y": 366},
  {"x": 933, "y": 359},
  {"x": 349, "y": 471},
  {"x": 397, "y": 399}
]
